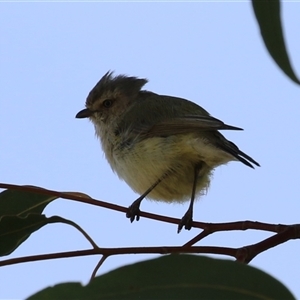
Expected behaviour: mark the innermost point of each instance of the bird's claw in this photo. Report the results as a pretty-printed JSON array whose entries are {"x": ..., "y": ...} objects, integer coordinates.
[
  {"x": 133, "y": 212},
  {"x": 186, "y": 222}
]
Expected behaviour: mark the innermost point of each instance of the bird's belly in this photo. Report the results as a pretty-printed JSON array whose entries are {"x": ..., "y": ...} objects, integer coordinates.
[{"x": 170, "y": 159}]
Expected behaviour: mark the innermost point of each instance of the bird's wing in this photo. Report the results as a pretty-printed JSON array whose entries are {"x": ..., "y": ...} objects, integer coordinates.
[
  {"x": 157, "y": 115},
  {"x": 187, "y": 124}
]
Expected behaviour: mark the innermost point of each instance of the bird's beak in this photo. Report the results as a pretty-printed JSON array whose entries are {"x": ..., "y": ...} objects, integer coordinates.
[{"x": 85, "y": 113}]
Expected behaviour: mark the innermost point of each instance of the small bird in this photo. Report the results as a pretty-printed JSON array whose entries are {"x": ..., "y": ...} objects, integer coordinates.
[{"x": 165, "y": 148}]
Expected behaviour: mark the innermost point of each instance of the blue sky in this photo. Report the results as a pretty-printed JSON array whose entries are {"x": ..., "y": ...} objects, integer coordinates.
[{"x": 52, "y": 54}]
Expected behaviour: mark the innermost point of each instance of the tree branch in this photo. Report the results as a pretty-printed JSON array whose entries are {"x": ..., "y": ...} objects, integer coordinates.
[{"x": 244, "y": 254}]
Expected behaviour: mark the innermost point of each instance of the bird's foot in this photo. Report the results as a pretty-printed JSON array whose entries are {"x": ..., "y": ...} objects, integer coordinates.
[
  {"x": 133, "y": 211},
  {"x": 186, "y": 221}
]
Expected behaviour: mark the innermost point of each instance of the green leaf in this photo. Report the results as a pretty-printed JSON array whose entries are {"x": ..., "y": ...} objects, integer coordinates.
[
  {"x": 267, "y": 13},
  {"x": 14, "y": 202},
  {"x": 20, "y": 215},
  {"x": 175, "y": 277},
  {"x": 14, "y": 230}
]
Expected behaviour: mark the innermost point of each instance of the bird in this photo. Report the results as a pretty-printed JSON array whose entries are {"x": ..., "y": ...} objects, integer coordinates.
[{"x": 165, "y": 148}]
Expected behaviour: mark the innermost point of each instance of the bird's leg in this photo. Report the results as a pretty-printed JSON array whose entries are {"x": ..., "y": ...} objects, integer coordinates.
[
  {"x": 133, "y": 211},
  {"x": 187, "y": 219}
]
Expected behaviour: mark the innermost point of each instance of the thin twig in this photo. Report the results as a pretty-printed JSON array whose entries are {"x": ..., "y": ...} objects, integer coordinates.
[
  {"x": 247, "y": 253},
  {"x": 119, "y": 251},
  {"x": 99, "y": 264},
  {"x": 211, "y": 228}
]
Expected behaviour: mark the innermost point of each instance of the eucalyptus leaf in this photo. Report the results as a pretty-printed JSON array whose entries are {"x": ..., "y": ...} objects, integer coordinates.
[
  {"x": 269, "y": 20},
  {"x": 175, "y": 277},
  {"x": 17, "y": 202}
]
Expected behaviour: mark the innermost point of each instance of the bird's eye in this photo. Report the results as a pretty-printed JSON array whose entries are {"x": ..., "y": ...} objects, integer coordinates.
[{"x": 107, "y": 103}]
